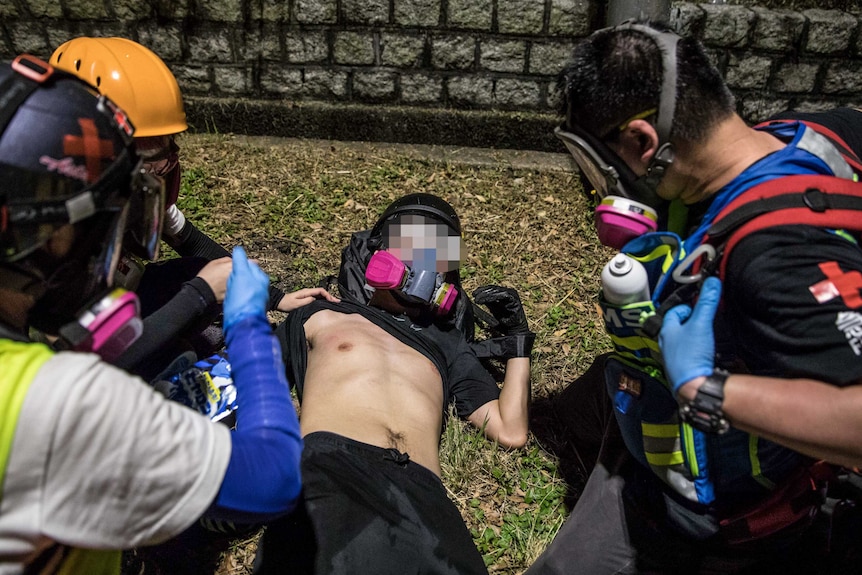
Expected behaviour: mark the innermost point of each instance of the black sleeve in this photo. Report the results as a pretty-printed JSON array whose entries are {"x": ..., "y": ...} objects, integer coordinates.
[
  {"x": 846, "y": 122},
  {"x": 193, "y": 242},
  {"x": 275, "y": 296},
  {"x": 471, "y": 386},
  {"x": 164, "y": 327},
  {"x": 294, "y": 351},
  {"x": 787, "y": 317}
]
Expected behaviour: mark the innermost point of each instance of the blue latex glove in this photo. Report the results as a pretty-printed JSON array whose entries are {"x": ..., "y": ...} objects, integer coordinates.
[
  {"x": 247, "y": 290},
  {"x": 687, "y": 338}
]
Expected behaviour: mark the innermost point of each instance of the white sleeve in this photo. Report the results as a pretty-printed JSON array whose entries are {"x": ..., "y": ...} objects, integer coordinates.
[
  {"x": 174, "y": 221},
  {"x": 119, "y": 464}
]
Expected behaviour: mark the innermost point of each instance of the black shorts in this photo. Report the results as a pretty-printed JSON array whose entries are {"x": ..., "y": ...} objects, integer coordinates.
[{"x": 367, "y": 510}]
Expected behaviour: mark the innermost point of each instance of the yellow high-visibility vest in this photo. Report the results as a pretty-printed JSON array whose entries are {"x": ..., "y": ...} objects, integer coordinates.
[{"x": 21, "y": 362}]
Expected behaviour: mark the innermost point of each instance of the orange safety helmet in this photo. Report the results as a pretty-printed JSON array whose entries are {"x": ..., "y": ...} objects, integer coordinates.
[{"x": 131, "y": 75}]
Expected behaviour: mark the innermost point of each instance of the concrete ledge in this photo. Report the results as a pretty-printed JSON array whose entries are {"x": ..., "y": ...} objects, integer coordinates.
[{"x": 374, "y": 123}]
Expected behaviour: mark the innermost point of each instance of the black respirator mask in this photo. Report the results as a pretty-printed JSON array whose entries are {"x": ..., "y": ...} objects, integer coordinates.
[{"x": 628, "y": 205}]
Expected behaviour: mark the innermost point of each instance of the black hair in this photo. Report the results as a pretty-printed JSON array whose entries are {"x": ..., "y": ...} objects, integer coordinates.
[{"x": 617, "y": 73}]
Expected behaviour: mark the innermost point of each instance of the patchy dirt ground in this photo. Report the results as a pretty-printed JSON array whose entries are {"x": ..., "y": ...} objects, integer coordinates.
[{"x": 293, "y": 205}]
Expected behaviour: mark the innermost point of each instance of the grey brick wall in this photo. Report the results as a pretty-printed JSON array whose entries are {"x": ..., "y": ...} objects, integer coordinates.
[{"x": 446, "y": 55}]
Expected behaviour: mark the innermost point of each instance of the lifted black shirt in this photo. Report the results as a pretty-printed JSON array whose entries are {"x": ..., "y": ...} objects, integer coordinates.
[{"x": 466, "y": 382}]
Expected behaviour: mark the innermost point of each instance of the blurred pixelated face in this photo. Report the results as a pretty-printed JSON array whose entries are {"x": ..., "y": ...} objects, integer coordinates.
[{"x": 423, "y": 243}]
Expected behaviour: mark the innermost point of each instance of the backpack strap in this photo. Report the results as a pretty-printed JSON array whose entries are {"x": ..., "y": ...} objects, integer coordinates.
[
  {"x": 849, "y": 155},
  {"x": 816, "y": 200}
]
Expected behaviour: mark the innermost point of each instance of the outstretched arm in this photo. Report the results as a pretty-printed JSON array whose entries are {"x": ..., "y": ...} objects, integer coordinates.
[
  {"x": 297, "y": 299},
  {"x": 813, "y": 417},
  {"x": 262, "y": 479},
  {"x": 187, "y": 240},
  {"x": 505, "y": 420}
]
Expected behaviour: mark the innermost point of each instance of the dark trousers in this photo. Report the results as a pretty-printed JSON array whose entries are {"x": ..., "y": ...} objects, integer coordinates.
[{"x": 368, "y": 510}]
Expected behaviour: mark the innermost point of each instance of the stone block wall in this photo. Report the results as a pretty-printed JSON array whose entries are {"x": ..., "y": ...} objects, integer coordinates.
[
  {"x": 775, "y": 60},
  {"x": 435, "y": 71}
]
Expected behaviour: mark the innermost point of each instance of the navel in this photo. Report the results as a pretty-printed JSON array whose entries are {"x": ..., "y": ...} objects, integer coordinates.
[
  {"x": 346, "y": 346},
  {"x": 396, "y": 439}
]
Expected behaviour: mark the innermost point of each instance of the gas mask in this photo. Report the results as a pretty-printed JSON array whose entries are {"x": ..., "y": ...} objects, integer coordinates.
[
  {"x": 416, "y": 246},
  {"x": 108, "y": 327},
  {"x": 72, "y": 178},
  {"x": 628, "y": 205},
  {"x": 387, "y": 272},
  {"x": 109, "y": 322}
]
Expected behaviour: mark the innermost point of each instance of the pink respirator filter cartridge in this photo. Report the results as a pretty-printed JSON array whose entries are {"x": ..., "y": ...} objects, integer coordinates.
[
  {"x": 114, "y": 324},
  {"x": 385, "y": 271}
]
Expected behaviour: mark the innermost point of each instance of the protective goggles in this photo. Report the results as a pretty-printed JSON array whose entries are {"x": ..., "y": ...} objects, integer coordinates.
[
  {"x": 159, "y": 153},
  {"x": 604, "y": 177},
  {"x": 385, "y": 271},
  {"x": 606, "y": 171},
  {"x": 145, "y": 207},
  {"x": 161, "y": 158},
  {"x": 146, "y": 214}
]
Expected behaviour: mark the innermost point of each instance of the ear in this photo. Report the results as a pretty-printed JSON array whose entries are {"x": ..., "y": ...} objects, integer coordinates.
[{"x": 638, "y": 144}]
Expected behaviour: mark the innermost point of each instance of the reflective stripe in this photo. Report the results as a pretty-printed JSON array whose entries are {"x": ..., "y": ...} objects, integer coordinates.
[
  {"x": 661, "y": 430},
  {"x": 662, "y": 449},
  {"x": 91, "y": 562},
  {"x": 690, "y": 451},
  {"x": 21, "y": 361},
  {"x": 635, "y": 343},
  {"x": 754, "y": 459},
  {"x": 680, "y": 482},
  {"x": 646, "y": 360},
  {"x": 820, "y": 146},
  {"x": 665, "y": 459},
  {"x": 663, "y": 251}
]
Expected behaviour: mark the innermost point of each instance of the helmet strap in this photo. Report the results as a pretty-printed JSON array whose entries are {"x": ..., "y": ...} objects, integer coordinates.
[{"x": 30, "y": 73}]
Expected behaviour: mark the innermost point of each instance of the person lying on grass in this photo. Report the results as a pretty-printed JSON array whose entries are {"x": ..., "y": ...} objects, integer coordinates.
[{"x": 375, "y": 381}]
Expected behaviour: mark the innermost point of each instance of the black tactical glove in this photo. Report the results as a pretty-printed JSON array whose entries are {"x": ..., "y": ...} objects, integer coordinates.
[{"x": 505, "y": 305}]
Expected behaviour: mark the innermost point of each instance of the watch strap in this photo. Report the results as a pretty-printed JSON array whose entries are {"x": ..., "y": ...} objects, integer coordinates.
[{"x": 704, "y": 412}]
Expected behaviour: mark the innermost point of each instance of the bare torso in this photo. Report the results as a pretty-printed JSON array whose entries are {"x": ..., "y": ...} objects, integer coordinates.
[{"x": 363, "y": 383}]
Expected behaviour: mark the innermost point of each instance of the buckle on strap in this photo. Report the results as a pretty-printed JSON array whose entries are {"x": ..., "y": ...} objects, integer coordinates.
[
  {"x": 816, "y": 200},
  {"x": 32, "y": 68},
  {"x": 30, "y": 73}
]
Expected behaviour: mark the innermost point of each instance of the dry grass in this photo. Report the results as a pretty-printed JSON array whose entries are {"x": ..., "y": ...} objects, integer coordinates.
[{"x": 293, "y": 205}]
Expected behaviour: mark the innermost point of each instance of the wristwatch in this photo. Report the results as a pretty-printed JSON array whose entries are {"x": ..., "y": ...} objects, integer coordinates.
[{"x": 704, "y": 411}]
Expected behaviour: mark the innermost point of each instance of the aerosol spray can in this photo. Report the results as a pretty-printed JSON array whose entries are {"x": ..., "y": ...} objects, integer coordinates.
[{"x": 624, "y": 281}]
